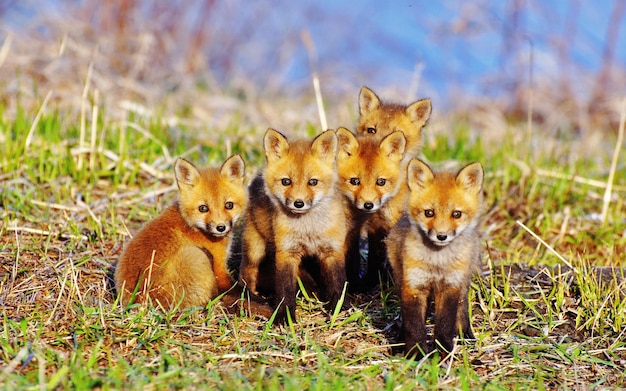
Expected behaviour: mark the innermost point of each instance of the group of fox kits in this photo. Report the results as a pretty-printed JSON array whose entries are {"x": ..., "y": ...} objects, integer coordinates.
[{"x": 303, "y": 216}]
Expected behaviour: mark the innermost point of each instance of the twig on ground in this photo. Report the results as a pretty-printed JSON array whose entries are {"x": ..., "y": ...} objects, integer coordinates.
[
  {"x": 550, "y": 248},
  {"x": 618, "y": 148},
  {"x": 94, "y": 127},
  {"x": 45, "y": 233},
  {"x": 310, "y": 46},
  {"x": 526, "y": 170},
  {"x": 6, "y": 46},
  {"x": 31, "y": 132},
  {"x": 83, "y": 109}
]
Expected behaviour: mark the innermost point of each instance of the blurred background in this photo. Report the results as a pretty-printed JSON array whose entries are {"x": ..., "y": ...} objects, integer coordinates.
[{"x": 251, "y": 62}]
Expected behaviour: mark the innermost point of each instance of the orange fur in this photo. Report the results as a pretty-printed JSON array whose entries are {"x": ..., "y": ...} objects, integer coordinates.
[
  {"x": 295, "y": 213},
  {"x": 181, "y": 255},
  {"x": 370, "y": 176},
  {"x": 379, "y": 119},
  {"x": 433, "y": 250}
]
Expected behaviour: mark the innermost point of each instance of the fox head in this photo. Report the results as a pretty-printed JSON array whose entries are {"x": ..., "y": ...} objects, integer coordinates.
[
  {"x": 211, "y": 199},
  {"x": 299, "y": 174},
  {"x": 379, "y": 119},
  {"x": 444, "y": 204},
  {"x": 369, "y": 169}
]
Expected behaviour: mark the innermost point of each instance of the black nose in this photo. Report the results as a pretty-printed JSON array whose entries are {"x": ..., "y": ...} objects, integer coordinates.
[
  {"x": 368, "y": 205},
  {"x": 221, "y": 228},
  {"x": 442, "y": 237},
  {"x": 299, "y": 204}
]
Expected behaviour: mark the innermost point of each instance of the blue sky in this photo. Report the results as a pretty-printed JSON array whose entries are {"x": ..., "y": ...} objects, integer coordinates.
[
  {"x": 461, "y": 45},
  {"x": 443, "y": 49}
]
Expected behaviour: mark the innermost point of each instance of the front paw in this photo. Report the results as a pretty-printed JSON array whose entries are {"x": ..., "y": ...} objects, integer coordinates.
[
  {"x": 416, "y": 351},
  {"x": 284, "y": 316}
]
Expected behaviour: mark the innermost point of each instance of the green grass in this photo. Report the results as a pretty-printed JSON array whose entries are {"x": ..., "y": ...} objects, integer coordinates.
[{"x": 66, "y": 211}]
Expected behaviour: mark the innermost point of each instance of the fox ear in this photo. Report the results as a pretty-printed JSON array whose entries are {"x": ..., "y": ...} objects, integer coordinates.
[
  {"x": 420, "y": 175},
  {"x": 419, "y": 112},
  {"x": 325, "y": 146},
  {"x": 185, "y": 173},
  {"x": 348, "y": 145},
  {"x": 471, "y": 177},
  {"x": 393, "y": 145},
  {"x": 368, "y": 100},
  {"x": 275, "y": 144},
  {"x": 233, "y": 169}
]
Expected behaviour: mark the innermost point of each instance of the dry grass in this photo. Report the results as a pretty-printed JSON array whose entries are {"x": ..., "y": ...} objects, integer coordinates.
[
  {"x": 58, "y": 302},
  {"x": 86, "y": 158}
]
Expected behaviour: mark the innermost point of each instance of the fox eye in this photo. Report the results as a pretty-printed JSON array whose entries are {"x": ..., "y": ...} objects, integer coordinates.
[
  {"x": 456, "y": 214},
  {"x": 286, "y": 181},
  {"x": 371, "y": 130},
  {"x": 381, "y": 182},
  {"x": 429, "y": 213},
  {"x": 203, "y": 208},
  {"x": 355, "y": 181},
  {"x": 312, "y": 182},
  {"x": 229, "y": 205}
]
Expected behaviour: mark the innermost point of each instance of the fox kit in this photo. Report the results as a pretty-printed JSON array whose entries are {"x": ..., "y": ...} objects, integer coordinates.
[
  {"x": 370, "y": 176},
  {"x": 181, "y": 255},
  {"x": 295, "y": 213},
  {"x": 433, "y": 250},
  {"x": 378, "y": 119}
]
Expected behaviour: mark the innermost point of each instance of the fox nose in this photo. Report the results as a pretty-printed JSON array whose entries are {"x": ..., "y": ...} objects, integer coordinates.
[
  {"x": 298, "y": 204},
  {"x": 368, "y": 205},
  {"x": 442, "y": 237},
  {"x": 220, "y": 228}
]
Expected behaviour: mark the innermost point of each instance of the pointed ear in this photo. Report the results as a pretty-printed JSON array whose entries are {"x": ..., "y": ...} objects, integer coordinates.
[
  {"x": 394, "y": 145},
  {"x": 420, "y": 175},
  {"x": 275, "y": 144},
  {"x": 347, "y": 144},
  {"x": 234, "y": 169},
  {"x": 368, "y": 101},
  {"x": 325, "y": 146},
  {"x": 471, "y": 177},
  {"x": 419, "y": 112},
  {"x": 186, "y": 173}
]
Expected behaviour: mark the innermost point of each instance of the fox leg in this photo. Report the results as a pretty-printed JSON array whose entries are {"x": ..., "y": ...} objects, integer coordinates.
[
  {"x": 376, "y": 256},
  {"x": 446, "y": 308},
  {"x": 287, "y": 265},
  {"x": 254, "y": 251},
  {"x": 353, "y": 262},
  {"x": 464, "y": 326},
  {"x": 220, "y": 269},
  {"x": 353, "y": 251},
  {"x": 240, "y": 300},
  {"x": 191, "y": 272},
  {"x": 413, "y": 308},
  {"x": 333, "y": 269}
]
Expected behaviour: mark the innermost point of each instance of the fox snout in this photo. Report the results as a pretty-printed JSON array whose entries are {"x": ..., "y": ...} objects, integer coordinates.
[
  {"x": 298, "y": 205},
  {"x": 368, "y": 206},
  {"x": 441, "y": 238},
  {"x": 218, "y": 229}
]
